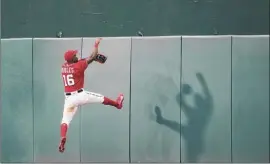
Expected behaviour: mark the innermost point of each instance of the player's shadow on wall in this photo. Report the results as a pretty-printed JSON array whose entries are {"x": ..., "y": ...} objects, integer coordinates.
[{"x": 197, "y": 116}]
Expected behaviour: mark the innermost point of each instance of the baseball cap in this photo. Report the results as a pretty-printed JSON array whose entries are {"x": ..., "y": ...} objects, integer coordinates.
[{"x": 69, "y": 54}]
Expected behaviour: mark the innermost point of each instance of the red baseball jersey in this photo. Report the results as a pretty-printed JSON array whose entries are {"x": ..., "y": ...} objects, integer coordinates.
[{"x": 73, "y": 75}]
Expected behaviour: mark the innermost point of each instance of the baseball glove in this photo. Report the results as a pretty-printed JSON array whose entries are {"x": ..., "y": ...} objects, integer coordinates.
[{"x": 101, "y": 58}]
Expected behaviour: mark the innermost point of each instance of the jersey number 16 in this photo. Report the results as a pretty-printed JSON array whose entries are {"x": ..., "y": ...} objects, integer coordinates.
[{"x": 68, "y": 80}]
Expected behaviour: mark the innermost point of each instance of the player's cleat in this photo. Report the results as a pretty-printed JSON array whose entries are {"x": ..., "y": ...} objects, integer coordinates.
[
  {"x": 62, "y": 144},
  {"x": 119, "y": 101}
]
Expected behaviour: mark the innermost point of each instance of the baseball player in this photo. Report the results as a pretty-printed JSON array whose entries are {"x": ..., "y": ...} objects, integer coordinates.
[{"x": 75, "y": 95}]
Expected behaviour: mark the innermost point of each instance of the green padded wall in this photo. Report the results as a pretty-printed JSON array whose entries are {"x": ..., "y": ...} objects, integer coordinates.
[
  {"x": 250, "y": 95},
  {"x": 155, "y": 110},
  {"x": 208, "y": 128},
  {"x": 205, "y": 99},
  {"x": 49, "y": 102},
  {"x": 17, "y": 111},
  {"x": 105, "y": 129}
]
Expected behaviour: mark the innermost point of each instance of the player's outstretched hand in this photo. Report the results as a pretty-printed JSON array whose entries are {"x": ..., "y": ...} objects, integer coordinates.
[{"x": 98, "y": 40}]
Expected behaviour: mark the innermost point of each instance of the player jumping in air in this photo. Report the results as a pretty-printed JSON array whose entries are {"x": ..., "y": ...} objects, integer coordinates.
[{"x": 73, "y": 79}]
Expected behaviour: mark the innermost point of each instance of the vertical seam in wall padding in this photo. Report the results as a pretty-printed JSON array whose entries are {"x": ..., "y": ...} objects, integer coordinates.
[
  {"x": 80, "y": 118},
  {"x": 129, "y": 131},
  {"x": 33, "y": 106},
  {"x": 231, "y": 104},
  {"x": 181, "y": 51}
]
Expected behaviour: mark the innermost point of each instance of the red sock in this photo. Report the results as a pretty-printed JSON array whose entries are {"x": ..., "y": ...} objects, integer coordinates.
[
  {"x": 64, "y": 128},
  {"x": 108, "y": 101}
]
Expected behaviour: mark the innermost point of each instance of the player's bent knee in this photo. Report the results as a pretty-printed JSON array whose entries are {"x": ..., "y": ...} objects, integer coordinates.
[
  {"x": 70, "y": 109},
  {"x": 68, "y": 115}
]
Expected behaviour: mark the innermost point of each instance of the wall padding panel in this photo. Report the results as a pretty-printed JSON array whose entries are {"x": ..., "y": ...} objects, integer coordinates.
[
  {"x": 155, "y": 110},
  {"x": 49, "y": 102},
  {"x": 250, "y": 95},
  {"x": 16, "y": 91},
  {"x": 105, "y": 129},
  {"x": 206, "y": 99}
]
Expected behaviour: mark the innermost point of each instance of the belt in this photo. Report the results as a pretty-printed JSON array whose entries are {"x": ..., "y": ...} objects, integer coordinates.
[{"x": 70, "y": 93}]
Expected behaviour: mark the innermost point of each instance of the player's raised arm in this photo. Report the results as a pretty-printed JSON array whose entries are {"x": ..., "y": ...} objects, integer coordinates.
[{"x": 94, "y": 53}]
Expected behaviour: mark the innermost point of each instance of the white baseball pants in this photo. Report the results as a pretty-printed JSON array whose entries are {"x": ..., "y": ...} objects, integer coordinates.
[{"x": 73, "y": 101}]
